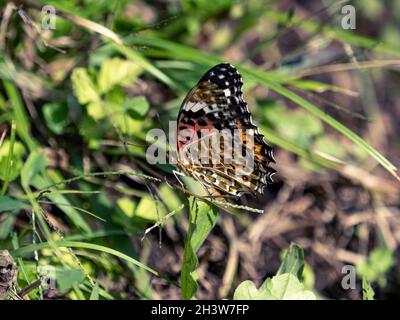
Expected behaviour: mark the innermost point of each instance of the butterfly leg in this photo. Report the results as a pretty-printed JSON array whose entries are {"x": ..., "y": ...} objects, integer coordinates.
[{"x": 176, "y": 174}]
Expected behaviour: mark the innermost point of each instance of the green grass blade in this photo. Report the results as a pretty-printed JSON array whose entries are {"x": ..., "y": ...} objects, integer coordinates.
[
  {"x": 95, "y": 292},
  {"x": 9, "y": 159},
  {"x": 21, "y": 118},
  {"x": 83, "y": 245}
]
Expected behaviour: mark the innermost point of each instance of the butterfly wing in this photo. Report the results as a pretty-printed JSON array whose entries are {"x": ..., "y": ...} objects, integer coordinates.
[{"x": 216, "y": 103}]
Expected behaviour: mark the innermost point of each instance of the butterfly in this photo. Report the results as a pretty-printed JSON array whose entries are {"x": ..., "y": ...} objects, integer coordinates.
[{"x": 215, "y": 104}]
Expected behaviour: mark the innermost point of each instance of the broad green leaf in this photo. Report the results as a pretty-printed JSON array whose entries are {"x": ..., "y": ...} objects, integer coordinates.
[
  {"x": 6, "y": 224},
  {"x": 83, "y": 86},
  {"x": 8, "y": 204},
  {"x": 117, "y": 72},
  {"x": 293, "y": 261},
  {"x": 56, "y": 116},
  {"x": 287, "y": 287},
  {"x": 280, "y": 287},
  {"x": 67, "y": 278},
  {"x": 33, "y": 165},
  {"x": 109, "y": 107},
  {"x": 202, "y": 218},
  {"x": 294, "y": 125},
  {"x": 149, "y": 209},
  {"x": 136, "y": 107},
  {"x": 138, "y": 58},
  {"x": 96, "y": 110},
  {"x": 169, "y": 197},
  {"x": 127, "y": 206},
  {"x": 92, "y": 131},
  {"x": 378, "y": 263},
  {"x": 188, "y": 274},
  {"x": 247, "y": 290},
  {"x": 330, "y": 145},
  {"x": 193, "y": 186}
]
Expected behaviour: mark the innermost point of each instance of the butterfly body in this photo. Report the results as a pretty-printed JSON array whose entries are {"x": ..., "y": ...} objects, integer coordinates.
[{"x": 214, "y": 106}]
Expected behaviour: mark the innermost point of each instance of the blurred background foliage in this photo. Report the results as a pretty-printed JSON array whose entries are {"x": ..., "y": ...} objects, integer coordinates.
[{"x": 81, "y": 98}]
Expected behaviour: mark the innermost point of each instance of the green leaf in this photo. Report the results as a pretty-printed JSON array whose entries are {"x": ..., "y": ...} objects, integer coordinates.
[
  {"x": 77, "y": 244},
  {"x": 117, "y": 72},
  {"x": 202, "y": 218},
  {"x": 126, "y": 206},
  {"x": 7, "y": 163},
  {"x": 33, "y": 165},
  {"x": 66, "y": 279},
  {"x": 293, "y": 261},
  {"x": 287, "y": 287},
  {"x": 247, "y": 290},
  {"x": 295, "y": 125},
  {"x": 147, "y": 209},
  {"x": 136, "y": 107},
  {"x": 96, "y": 110},
  {"x": 8, "y": 204},
  {"x": 84, "y": 88},
  {"x": 188, "y": 275},
  {"x": 23, "y": 125},
  {"x": 138, "y": 58},
  {"x": 56, "y": 116},
  {"x": 281, "y": 287},
  {"x": 331, "y": 146},
  {"x": 12, "y": 164},
  {"x": 367, "y": 291},
  {"x": 95, "y": 292},
  {"x": 169, "y": 197},
  {"x": 6, "y": 224},
  {"x": 378, "y": 263}
]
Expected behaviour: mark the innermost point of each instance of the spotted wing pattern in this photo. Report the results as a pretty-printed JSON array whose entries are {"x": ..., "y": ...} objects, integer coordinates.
[{"x": 216, "y": 103}]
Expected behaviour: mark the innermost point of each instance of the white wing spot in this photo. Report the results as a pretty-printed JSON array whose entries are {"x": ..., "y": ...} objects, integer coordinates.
[{"x": 197, "y": 106}]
